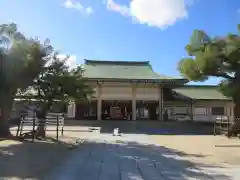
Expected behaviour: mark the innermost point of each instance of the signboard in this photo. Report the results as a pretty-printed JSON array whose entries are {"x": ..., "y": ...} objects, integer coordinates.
[{"x": 116, "y": 113}]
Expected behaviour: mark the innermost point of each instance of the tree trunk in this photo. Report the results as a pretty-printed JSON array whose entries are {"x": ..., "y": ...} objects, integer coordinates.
[
  {"x": 235, "y": 127},
  {"x": 235, "y": 85},
  {"x": 41, "y": 115},
  {"x": 41, "y": 127},
  {"x": 6, "y": 103},
  {"x": 41, "y": 132}
]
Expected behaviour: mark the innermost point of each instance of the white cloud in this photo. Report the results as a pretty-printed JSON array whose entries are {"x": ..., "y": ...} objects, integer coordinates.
[
  {"x": 89, "y": 10},
  {"x": 71, "y": 61},
  {"x": 122, "y": 9},
  {"x": 70, "y": 4},
  {"x": 158, "y": 13}
]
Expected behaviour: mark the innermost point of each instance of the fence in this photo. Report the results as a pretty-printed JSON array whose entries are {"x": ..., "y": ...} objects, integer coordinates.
[{"x": 52, "y": 119}]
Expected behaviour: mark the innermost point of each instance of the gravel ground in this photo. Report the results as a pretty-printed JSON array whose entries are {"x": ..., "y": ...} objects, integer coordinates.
[
  {"x": 27, "y": 160},
  {"x": 138, "y": 157},
  {"x": 217, "y": 150},
  {"x": 34, "y": 160}
]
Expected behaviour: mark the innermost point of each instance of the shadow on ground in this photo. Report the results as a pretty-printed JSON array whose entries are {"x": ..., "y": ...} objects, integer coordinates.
[
  {"x": 121, "y": 161},
  {"x": 30, "y": 160},
  {"x": 147, "y": 127}
]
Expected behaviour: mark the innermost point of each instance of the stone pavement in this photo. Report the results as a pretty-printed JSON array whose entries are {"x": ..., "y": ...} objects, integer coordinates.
[{"x": 122, "y": 158}]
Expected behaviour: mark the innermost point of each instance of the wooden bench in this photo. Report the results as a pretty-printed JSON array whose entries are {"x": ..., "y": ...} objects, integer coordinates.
[{"x": 52, "y": 119}]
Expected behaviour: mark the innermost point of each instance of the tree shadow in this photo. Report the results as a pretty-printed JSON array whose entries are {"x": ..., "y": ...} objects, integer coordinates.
[
  {"x": 27, "y": 159},
  {"x": 114, "y": 161}
]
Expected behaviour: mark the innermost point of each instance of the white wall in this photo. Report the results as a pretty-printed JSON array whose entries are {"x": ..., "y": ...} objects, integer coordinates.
[
  {"x": 123, "y": 91},
  {"x": 176, "y": 108},
  {"x": 116, "y": 93},
  {"x": 71, "y": 110},
  {"x": 147, "y": 93},
  {"x": 202, "y": 109},
  {"x": 207, "y": 105}
]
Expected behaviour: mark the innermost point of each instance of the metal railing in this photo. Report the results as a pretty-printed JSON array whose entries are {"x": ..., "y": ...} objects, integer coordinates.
[
  {"x": 222, "y": 125},
  {"x": 52, "y": 119}
]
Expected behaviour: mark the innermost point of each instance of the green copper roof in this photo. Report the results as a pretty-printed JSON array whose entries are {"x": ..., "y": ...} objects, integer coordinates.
[
  {"x": 201, "y": 92},
  {"x": 129, "y": 70}
]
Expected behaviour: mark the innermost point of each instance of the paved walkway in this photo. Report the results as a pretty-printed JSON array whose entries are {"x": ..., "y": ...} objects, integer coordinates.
[{"x": 119, "y": 158}]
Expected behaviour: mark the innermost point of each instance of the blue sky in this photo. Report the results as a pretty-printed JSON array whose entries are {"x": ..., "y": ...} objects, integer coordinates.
[{"x": 134, "y": 30}]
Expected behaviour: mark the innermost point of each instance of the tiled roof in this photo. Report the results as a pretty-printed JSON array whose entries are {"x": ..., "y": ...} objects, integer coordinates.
[
  {"x": 121, "y": 70},
  {"x": 201, "y": 92}
]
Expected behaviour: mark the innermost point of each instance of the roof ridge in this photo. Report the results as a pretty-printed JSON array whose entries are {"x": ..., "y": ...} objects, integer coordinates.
[
  {"x": 199, "y": 85},
  {"x": 88, "y": 61}
]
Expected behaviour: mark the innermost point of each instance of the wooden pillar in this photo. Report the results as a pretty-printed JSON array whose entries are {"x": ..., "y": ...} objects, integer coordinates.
[
  {"x": 99, "y": 102},
  {"x": 160, "y": 113},
  {"x": 99, "y": 109},
  {"x": 133, "y": 102},
  {"x": 191, "y": 110},
  {"x": 230, "y": 111},
  {"x": 209, "y": 112},
  {"x": 71, "y": 111}
]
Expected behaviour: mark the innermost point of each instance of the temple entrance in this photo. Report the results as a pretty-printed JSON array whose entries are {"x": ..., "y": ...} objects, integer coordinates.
[
  {"x": 116, "y": 110},
  {"x": 147, "y": 110},
  {"x": 86, "y": 110}
]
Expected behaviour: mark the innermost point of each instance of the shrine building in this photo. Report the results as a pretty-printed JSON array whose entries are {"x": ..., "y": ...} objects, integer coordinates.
[{"x": 132, "y": 90}]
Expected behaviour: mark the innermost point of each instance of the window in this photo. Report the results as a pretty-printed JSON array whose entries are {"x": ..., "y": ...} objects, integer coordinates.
[
  {"x": 181, "y": 110},
  {"x": 218, "y": 111},
  {"x": 200, "y": 111}
]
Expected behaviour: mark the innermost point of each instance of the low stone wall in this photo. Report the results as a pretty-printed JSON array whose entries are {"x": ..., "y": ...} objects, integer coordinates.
[{"x": 147, "y": 127}]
